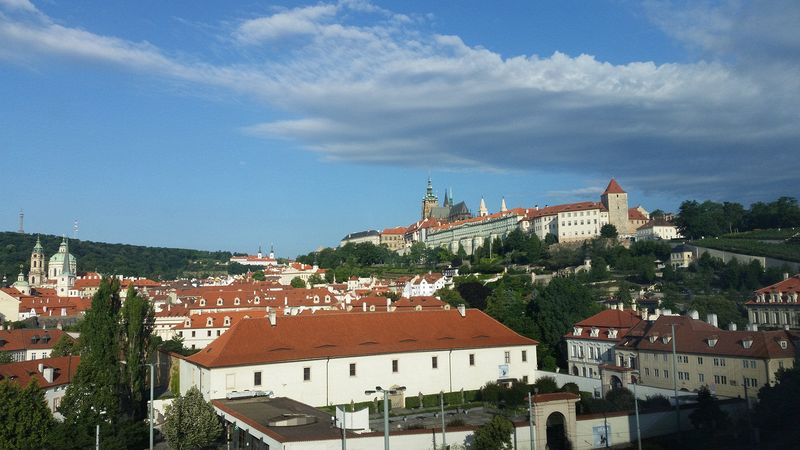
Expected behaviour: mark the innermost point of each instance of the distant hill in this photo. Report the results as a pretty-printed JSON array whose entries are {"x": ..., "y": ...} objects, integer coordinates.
[{"x": 119, "y": 259}]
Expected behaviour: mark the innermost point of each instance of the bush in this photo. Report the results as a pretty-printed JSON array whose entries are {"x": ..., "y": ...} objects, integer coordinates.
[
  {"x": 588, "y": 405},
  {"x": 571, "y": 387},
  {"x": 458, "y": 422},
  {"x": 657, "y": 401},
  {"x": 546, "y": 385},
  {"x": 621, "y": 398}
]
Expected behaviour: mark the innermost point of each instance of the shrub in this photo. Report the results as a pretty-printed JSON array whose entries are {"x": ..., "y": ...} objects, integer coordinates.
[
  {"x": 621, "y": 398},
  {"x": 546, "y": 385},
  {"x": 570, "y": 387},
  {"x": 657, "y": 401}
]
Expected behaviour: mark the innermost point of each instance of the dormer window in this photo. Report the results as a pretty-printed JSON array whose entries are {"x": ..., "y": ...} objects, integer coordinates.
[
  {"x": 577, "y": 331},
  {"x": 783, "y": 343},
  {"x": 327, "y": 299},
  {"x": 256, "y": 300},
  {"x": 666, "y": 339},
  {"x": 188, "y": 323},
  {"x": 612, "y": 333},
  {"x": 202, "y": 302},
  {"x": 712, "y": 341},
  {"x": 418, "y": 308},
  {"x": 652, "y": 338},
  {"x": 236, "y": 301},
  {"x": 316, "y": 299},
  {"x": 595, "y": 332},
  {"x": 219, "y": 302},
  {"x": 209, "y": 322},
  {"x": 372, "y": 308},
  {"x": 227, "y": 321},
  {"x": 747, "y": 342}
]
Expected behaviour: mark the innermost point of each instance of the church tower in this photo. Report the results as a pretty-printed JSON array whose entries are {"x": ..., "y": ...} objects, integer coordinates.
[
  {"x": 615, "y": 200},
  {"x": 38, "y": 272},
  {"x": 482, "y": 211},
  {"x": 430, "y": 201},
  {"x": 66, "y": 279}
]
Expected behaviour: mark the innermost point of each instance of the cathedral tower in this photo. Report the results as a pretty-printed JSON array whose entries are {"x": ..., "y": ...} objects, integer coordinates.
[
  {"x": 66, "y": 278},
  {"x": 38, "y": 272},
  {"x": 430, "y": 201},
  {"x": 615, "y": 200}
]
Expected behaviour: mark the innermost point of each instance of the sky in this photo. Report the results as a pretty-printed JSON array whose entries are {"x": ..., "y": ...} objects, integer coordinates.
[{"x": 229, "y": 125}]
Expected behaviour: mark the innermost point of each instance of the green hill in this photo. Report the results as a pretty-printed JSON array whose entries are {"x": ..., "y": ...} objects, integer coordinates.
[{"x": 120, "y": 259}]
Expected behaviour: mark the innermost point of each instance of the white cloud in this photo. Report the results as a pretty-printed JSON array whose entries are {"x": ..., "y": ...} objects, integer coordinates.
[{"x": 392, "y": 93}]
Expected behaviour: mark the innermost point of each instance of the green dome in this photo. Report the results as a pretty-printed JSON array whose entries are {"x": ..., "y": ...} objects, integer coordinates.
[{"x": 58, "y": 258}]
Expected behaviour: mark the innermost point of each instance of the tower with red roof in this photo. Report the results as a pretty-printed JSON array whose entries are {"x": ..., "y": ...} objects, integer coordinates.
[{"x": 615, "y": 200}]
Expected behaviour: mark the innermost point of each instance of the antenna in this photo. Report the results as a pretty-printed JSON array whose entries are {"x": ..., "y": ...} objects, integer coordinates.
[
  {"x": 75, "y": 229},
  {"x": 21, "y": 222}
]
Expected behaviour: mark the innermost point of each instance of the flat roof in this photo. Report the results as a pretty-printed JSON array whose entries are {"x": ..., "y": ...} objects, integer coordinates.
[{"x": 262, "y": 413}]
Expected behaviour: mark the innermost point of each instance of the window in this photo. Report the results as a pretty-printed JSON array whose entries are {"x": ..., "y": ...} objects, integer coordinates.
[
  {"x": 701, "y": 377},
  {"x": 524, "y": 356},
  {"x": 655, "y": 372},
  {"x": 507, "y": 357},
  {"x": 434, "y": 362},
  {"x": 306, "y": 373},
  {"x": 719, "y": 362},
  {"x": 666, "y": 373},
  {"x": 193, "y": 333},
  {"x": 525, "y": 379},
  {"x": 700, "y": 360},
  {"x": 647, "y": 371},
  {"x": 720, "y": 379},
  {"x": 665, "y": 356},
  {"x": 352, "y": 369},
  {"x": 208, "y": 333},
  {"x": 395, "y": 366},
  {"x": 471, "y": 359},
  {"x": 683, "y": 376},
  {"x": 218, "y": 332},
  {"x": 256, "y": 378}
]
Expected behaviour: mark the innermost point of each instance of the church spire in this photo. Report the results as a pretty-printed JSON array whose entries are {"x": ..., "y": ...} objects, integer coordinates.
[
  {"x": 482, "y": 211},
  {"x": 446, "y": 199},
  {"x": 503, "y": 205},
  {"x": 67, "y": 268}
]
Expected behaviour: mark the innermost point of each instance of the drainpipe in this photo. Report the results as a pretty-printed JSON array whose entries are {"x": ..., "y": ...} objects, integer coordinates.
[
  {"x": 327, "y": 363},
  {"x": 450, "y": 368}
]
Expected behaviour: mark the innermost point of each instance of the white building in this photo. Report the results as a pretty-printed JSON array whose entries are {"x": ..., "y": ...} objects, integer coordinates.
[
  {"x": 199, "y": 330},
  {"x": 591, "y": 342},
  {"x": 28, "y": 344},
  {"x": 657, "y": 229},
  {"x": 424, "y": 285},
  {"x": 332, "y": 358},
  {"x": 371, "y": 236},
  {"x": 53, "y": 376}
]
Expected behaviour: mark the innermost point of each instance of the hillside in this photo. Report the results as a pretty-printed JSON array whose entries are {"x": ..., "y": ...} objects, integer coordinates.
[{"x": 120, "y": 259}]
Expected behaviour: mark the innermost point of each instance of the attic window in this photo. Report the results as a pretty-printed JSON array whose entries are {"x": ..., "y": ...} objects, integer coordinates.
[
  {"x": 418, "y": 308},
  {"x": 202, "y": 302},
  {"x": 209, "y": 322},
  {"x": 783, "y": 343},
  {"x": 666, "y": 339},
  {"x": 747, "y": 343},
  {"x": 712, "y": 341},
  {"x": 227, "y": 321},
  {"x": 316, "y": 299},
  {"x": 256, "y": 300},
  {"x": 612, "y": 333},
  {"x": 327, "y": 299},
  {"x": 577, "y": 331},
  {"x": 236, "y": 301},
  {"x": 219, "y": 302},
  {"x": 595, "y": 332},
  {"x": 188, "y": 323},
  {"x": 652, "y": 338}
]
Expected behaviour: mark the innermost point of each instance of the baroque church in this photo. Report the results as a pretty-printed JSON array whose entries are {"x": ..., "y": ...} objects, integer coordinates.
[
  {"x": 58, "y": 272},
  {"x": 448, "y": 212}
]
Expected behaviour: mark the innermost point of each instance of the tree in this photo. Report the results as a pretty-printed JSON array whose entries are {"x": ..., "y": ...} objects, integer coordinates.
[
  {"x": 315, "y": 279},
  {"x": 258, "y": 276},
  {"x": 546, "y": 385},
  {"x": 5, "y": 358},
  {"x": 65, "y": 346},
  {"x": 621, "y": 398},
  {"x": 609, "y": 231},
  {"x": 136, "y": 329},
  {"x": 297, "y": 282},
  {"x": 776, "y": 412},
  {"x": 550, "y": 239},
  {"x": 474, "y": 293},
  {"x": 25, "y": 420},
  {"x": 450, "y": 296},
  {"x": 508, "y": 307},
  {"x": 191, "y": 422},
  {"x": 495, "y": 434},
  {"x": 707, "y": 415}
]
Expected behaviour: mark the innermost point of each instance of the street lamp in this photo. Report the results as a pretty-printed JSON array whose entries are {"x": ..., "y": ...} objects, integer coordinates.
[
  {"x": 636, "y": 404},
  {"x": 386, "y": 393}
]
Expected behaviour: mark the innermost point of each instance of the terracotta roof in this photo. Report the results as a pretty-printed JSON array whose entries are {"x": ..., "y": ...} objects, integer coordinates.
[
  {"x": 254, "y": 341},
  {"x": 568, "y": 207},
  {"x": 396, "y": 230},
  {"x": 217, "y": 319},
  {"x": 789, "y": 285},
  {"x": 23, "y": 339},
  {"x": 692, "y": 336},
  {"x": 540, "y": 398},
  {"x": 605, "y": 320},
  {"x": 425, "y": 301},
  {"x": 613, "y": 188},
  {"x": 635, "y": 214},
  {"x": 24, "y": 371}
]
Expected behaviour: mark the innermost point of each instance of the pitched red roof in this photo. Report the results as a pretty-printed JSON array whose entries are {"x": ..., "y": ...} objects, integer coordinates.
[
  {"x": 613, "y": 188},
  {"x": 789, "y": 285},
  {"x": 24, "y": 371},
  {"x": 426, "y": 302},
  {"x": 635, "y": 214},
  {"x": 23, "y": 339},
  {"x": 254, "y": 341},
  {"x": 218, "y": 319},
  {"x": 396, "y": 230},
  {"x": 622, "y": 321}
]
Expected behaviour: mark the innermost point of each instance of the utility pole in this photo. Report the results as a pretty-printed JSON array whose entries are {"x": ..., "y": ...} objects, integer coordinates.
[
  {"x": 444, "y": 432},
  {"x": 532, "y": 431},
  {"x": 636, "y": 405}
]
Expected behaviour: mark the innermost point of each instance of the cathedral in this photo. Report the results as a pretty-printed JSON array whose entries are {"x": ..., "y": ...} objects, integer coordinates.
[{"x": 448, "y": 212}]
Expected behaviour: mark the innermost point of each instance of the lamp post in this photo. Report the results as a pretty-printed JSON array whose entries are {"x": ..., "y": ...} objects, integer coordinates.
[
  {"x": 444, "y": 432},
  {"x": 386, "y": 393},
  {"x": 532, "y": 430},
  {"x": 636, "y": 406}
]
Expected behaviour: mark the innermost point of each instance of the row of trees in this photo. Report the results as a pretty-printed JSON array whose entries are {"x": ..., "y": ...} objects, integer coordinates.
[{"x": 711, "y": 219}]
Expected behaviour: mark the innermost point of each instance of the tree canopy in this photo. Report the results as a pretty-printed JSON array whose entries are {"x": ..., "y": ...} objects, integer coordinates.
[
  {"x": 495, "y": 434},
  {"x": 25, "y": 420},
  {"x": 191, "y": 422}
]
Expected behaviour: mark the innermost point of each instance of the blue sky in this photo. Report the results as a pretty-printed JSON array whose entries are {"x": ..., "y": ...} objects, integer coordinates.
[{"x": 236, "y": 124}]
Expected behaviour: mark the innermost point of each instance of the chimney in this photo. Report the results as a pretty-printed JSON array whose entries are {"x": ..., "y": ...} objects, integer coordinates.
[
  {"x": 786, "y": 327},
  {"x": 48, "y": 374},
  {"x": 711, "y": 318},
  {"x": 462, "y": 309},
  {"x": 667, "y": 312},
  {"x": 273, "y": 318},
  {"x": 785, "y": 276},
  {"x": 41, "y": 368},
  {"x": 388, "y": 304},
  {"x": 732, "y": 326},
  {"x": 694, "y": 314},
  {"x": 364, "y": 306}
]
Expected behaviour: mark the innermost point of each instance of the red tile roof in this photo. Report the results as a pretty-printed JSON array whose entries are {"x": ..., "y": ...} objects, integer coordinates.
[
  {"x": 22, "y": 339},
  {"x": 789, "y": 285},
  {"x": 254, "y": 341},
  {"x": 396, "y": 230},
  {"x": 635, "y": 214},
  {"x": 23, "y": 372},
  {"x": 426, "y": 302},
  {"x": 218, "y": 319},
  {"x": 692, "y": 336},
  {"x": 613, "y": 188}
]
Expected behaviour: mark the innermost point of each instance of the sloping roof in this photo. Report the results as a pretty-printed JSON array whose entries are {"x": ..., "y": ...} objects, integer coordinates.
[
  {"x": 425, "y": 301},
  {"x": 217, "y": 319},
  {"x": 692, "y": 336},
  {"x": 395, "y": 230},
  {"x": 605, "y": 320},
  {"x": 24, "y": 371},
  {"x": 254, "y": 341},
  {"x": 635, "y": 214},
  {"x": 789, "y": 285},
  {"x": 361, "y": 234},
  {"x": 23, "y": 339},
  {"x": 614, "y": 188}
]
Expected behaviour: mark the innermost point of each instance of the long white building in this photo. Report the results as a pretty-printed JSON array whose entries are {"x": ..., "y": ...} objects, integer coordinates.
[{"x": 333, "y": 358}]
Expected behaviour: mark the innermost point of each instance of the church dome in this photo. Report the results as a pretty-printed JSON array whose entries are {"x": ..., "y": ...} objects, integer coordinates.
[{"x": 58, "y": 259}]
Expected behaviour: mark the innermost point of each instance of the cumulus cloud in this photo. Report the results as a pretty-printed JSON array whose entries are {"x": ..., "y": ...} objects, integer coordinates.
[{"x": 391, "y": 92}]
